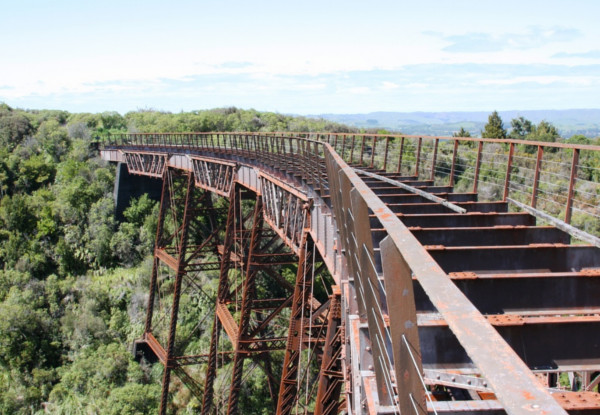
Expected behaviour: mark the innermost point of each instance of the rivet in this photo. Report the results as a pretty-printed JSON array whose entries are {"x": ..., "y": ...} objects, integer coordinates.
[
  {"x": 368, "y": 348},
  {"x": 453, "y": 379},
  {"x": 535, "y": 406},
  {"x": 370, "y": 367}
]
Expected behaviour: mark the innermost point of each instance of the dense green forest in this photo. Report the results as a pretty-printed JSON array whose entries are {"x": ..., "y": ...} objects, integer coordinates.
[{"x": 73, "y": 280}]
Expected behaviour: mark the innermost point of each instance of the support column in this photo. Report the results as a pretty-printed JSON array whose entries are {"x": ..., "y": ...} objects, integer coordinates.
[
  {"x": 223, "y": 293},
  {"x": 248, "y": 296},
  {"x": 331, "y": 377},
  {"x": 288, "y": 389},
  {"x": 176, "y": 296}
]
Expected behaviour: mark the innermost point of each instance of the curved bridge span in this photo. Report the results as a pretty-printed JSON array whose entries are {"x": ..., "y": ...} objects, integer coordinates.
[{"x": 410, "y": 294}]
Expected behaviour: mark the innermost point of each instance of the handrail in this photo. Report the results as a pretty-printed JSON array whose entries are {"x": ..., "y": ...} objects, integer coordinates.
[
  {"x": 563, "y": 180},
  {"x": 425, "y": 137},
  {"x": 519, "y": 392}
]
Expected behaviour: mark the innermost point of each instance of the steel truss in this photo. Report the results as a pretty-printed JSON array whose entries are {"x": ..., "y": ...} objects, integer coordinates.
[{"x": 249, "y": 321}]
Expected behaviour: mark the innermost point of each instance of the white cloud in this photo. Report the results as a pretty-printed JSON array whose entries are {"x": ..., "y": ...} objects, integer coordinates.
[
  {"x": 543, "y": 80},
  {"x": 358, "y": 90},
  {"x": 389, "y": 85}
]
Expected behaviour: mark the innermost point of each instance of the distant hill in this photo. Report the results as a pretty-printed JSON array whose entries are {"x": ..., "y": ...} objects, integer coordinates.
[{"x": 569, "y": 122}]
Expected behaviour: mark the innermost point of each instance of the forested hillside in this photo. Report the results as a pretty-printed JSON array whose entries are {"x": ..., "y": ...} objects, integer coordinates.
[{"x": 73, "y": 280}]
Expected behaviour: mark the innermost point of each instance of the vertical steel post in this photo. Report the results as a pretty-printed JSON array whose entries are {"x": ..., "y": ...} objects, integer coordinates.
[
  {"x": 400, "y": 154},
  {"x": 362, "y": 150},
  {"x": 477, "y": 166},
  {"x": 248, "y": 296},
  {"x": 223, "y": 292},
  {"x": 434, "y": 158},
  {"x": 511, "y": 151},
  {"x": 452, "y": 167},
  {"x": 536, "y": 178},
  {"x": 176, "y": 295},
  {"x": 574, "y": 162},
  {"x": 420, "y": 142},
  {"x": 300, "y": 306},
  {"x": 373, "y": 151},
  {"x": 331, "y": 376},
  {"x": 385, "y": 156},
  {"x": 164, "y": 200}
]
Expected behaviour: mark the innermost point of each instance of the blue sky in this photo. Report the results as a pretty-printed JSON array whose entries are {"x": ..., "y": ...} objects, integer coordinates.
[{"x": 307, "y": 57}]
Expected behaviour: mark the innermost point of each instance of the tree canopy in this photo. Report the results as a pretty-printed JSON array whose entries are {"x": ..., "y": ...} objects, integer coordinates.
[
  {"x": 494, "y": 127},
  {"x": 73, "y": 279}
]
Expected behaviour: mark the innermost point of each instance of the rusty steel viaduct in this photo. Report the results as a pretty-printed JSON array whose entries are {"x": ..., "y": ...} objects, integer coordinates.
[{"x": 372, "y": 274}]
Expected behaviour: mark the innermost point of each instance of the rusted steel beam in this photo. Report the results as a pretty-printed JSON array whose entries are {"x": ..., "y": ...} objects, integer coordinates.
[
  {"x": 400, "y": 154},
  {"x": 477, "y": 166},
  {"x": 331, "y": 375},
  {"x": 511, "y": 152},
  {"x": 542, "y": 345},
  {"x": 183, "y": 241},
  {"x": 248, "y": 296},
  {"x": 418, "y": 156},
  {"x": 368, "y": 284},
  {"x": 565, "y": 227},
  {"x": 385, "y": 153},
  {"x": 376, "y": 184},
  {"x": 373, "y": 147},
  {"x": 519, "y": 392},
  {"x": 403, "y": 329},
  {"x": 408, "y": 197},
  {"x": 222, "y": 295},
  {"x": 146, "y": 163},
  {"x": 474, "y": 219},
  {"x": 536, "y": 177},
  {"x": 434, "y": 158},
  {"x": 430, "y": 208},
  {"x": 453, "y": 165},
  {"x": 421, "y": 193},
  {"x": 288, "y": 389},
  {"x": 413, "y": 198},
  {"x": 548, "y": 257},
  {"x": 571, "y": 189},
  {"x": 164, "y": 202}
]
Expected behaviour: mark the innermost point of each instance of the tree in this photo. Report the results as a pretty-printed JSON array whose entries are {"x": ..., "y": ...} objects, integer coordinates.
[
  {"x": 521, "y": 127},
  {"x": 544, "y": 131},
  {"x": 461, "y": 133},
  {"x": 14, "y": 127},
  {"x": 494, "y": 127}
]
